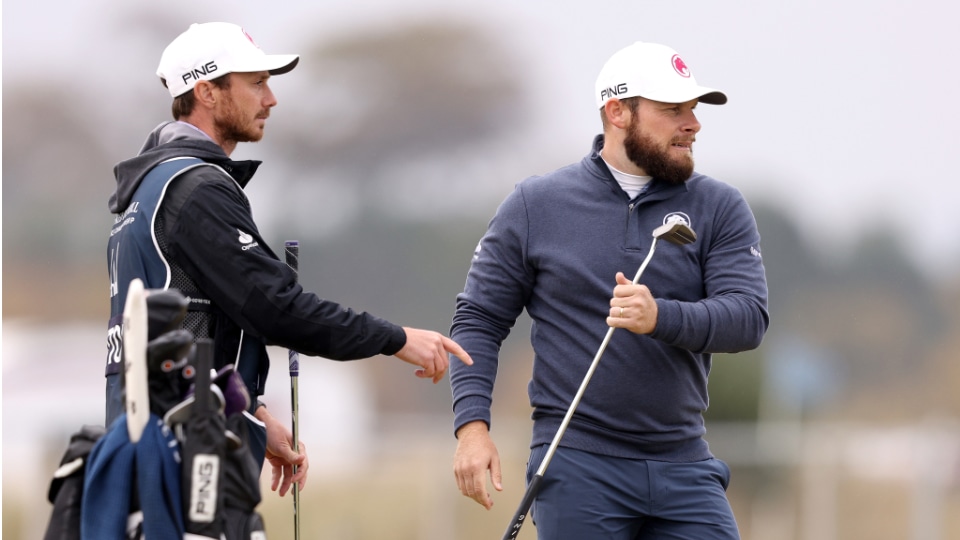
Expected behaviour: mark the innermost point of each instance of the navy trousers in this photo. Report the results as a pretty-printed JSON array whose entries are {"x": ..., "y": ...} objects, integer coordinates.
[{"x": 587, "y": 496}]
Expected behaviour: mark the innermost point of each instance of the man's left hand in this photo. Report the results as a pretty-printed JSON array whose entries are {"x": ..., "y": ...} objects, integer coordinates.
[{"x": 281, "y": 456}]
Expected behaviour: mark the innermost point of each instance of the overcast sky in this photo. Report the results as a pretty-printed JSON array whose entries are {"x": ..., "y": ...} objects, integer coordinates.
[{"x": 840, "y": 112}]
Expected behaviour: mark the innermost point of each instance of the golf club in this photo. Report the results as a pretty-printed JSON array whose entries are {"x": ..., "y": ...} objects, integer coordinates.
[
  {"x": 675, "y": 232},
  {"x": 292, "y": 254}
]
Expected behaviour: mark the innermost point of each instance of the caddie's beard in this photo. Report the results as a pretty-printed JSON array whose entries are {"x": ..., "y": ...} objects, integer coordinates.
[
  {"x": 233, "y": 125},
  {"x": 655, "y": 160}
]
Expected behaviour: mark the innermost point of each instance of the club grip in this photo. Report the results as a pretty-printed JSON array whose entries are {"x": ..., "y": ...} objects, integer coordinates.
[
  {"x": 518, "y": 518},
  {"x": 203, "y": 404},
  {"x": 291, "y": 250}
]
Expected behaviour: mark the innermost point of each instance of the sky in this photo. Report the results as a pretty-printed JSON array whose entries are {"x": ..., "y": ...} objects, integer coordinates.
[{"x": 839, "y": 112}]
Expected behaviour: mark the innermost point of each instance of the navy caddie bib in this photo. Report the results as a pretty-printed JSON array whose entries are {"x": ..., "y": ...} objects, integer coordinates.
[{"x": 133, "y": 250}]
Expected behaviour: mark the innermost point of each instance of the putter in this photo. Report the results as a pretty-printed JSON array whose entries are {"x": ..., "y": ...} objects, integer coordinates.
[{"x": 674, "y": 232}]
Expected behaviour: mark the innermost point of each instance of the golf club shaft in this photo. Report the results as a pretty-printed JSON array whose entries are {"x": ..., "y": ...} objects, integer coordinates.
[
  {"x": 534, "y": 487},
  {"x": 292, "y": 254},
  {"x": 587, "y": 377}
]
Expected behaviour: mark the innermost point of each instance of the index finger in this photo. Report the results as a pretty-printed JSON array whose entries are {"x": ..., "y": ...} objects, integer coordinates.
[
  {"x": 455, "y": 349},
  {"x": 287, "y": 479},
  {"x": 625, "y": 290},
  {"x": 301, "y": 476}
]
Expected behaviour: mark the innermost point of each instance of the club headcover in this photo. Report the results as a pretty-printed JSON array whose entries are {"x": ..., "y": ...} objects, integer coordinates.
[{"x": 166, "y": 309}]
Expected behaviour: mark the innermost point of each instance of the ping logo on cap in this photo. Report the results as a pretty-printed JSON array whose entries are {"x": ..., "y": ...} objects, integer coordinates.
[
  {"x": 680, "y": 66},
  {"x": 613, "y": 92},
  {"x": 198, "y": 73}
]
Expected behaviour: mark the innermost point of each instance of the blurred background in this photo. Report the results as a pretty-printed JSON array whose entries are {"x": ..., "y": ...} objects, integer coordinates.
[{"x": 405, "y": 125}]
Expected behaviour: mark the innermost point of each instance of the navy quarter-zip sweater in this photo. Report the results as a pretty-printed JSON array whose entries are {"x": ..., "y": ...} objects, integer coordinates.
[{"x": 554, "y": 248}]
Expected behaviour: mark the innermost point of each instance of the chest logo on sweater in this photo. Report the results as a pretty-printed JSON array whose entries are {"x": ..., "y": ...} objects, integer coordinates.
[
  {"x": 246, "y": 241},
  {"x": 677, "y": 217}
]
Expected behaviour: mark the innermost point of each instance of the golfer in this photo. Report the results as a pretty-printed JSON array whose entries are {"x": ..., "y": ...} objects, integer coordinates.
[
  {"x": 182, "y": 220},
  {"x": 632, "y": 463}
]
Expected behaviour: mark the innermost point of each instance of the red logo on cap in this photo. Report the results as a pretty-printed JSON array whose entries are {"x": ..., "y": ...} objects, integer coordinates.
[
  {"x": 250, "y": 38},
  {"x": 680, "y": 66}
]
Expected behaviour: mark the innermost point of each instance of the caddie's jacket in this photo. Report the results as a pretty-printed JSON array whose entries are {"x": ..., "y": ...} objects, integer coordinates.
[
  {"x": 554, "y": 248},
  {"x": 183, "y": 221}
]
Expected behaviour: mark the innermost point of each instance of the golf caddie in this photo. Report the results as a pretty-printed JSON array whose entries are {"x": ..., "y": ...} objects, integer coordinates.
[
  {"x": 182, "y": 221},
  {"x": 632, "y": 463}
]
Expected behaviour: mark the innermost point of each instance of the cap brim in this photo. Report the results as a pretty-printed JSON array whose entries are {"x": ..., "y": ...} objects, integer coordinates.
[
  {"x": 275, "y": 64},
  {"x": 714, "y": 97},
  {"x": 703, "y": 94},
  {"x": 290, "y": 61}
]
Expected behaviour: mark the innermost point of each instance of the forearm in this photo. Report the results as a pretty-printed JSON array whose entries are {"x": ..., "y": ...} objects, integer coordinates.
[
  {"x": 730, "y": 313},
  {"x": 472, "y": 386},
  {"x": 302, "y": 321},
  {"x": 720, "y": 325},
  {"x": 259, "y": 292}
]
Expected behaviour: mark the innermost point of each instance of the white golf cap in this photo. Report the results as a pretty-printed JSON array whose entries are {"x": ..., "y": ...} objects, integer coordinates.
[
  {"x": 654, "y": 72},
  {"x": 209, "y": 50}
]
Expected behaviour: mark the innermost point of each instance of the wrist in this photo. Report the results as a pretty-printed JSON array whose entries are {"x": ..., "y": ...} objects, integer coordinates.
[
  {"x": 473, "y": 428},
  {"x": 261, "y": 413}
]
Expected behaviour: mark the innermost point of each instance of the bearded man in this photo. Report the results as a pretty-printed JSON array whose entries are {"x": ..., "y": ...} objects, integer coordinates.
[{"x": 632, "y": 463}]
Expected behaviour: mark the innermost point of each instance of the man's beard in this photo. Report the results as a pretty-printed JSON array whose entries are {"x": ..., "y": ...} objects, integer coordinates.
[
  {"x": 656, "y": 161},
  {"x": 233, "y": 126}
]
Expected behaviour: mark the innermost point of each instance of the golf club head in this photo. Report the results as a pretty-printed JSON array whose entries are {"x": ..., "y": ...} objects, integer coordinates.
[{"x": 675, "y": 232}]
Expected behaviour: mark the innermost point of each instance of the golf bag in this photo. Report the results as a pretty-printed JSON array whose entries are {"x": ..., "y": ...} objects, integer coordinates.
[
  {"x": 179, "y": 468},
  {"x": 66, "y": 488}
]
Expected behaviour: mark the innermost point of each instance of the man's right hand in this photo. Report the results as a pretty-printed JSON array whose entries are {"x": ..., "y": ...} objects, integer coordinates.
[
  {"x": 476, "y": 454},
  {"x": 428, "y": 350}
]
